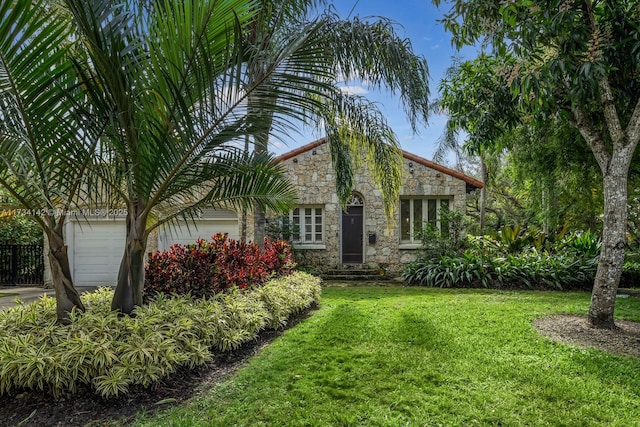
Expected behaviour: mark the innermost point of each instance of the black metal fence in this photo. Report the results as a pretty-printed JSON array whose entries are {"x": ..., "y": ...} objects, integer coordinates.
[{"x": 21, "y": 265}]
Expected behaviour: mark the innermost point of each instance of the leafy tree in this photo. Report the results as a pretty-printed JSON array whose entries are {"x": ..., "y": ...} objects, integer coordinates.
[
  {"x": 478, "y": 101},
  {"x": 557, "y": 179},
  {"x": 575, "y": 58},
  {"x": 16, "y": 229}
]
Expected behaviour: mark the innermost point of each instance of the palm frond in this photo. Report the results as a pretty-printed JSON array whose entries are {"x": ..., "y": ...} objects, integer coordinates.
[
  {"x": 42, "y": 151},
  {"x": 357, "y": 130},
  {"x": 234, "y": 180},
  {"x": 382, "y": 60}
]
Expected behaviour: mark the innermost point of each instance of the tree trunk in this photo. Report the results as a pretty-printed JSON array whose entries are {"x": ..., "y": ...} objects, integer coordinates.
[
  {"x": 243, "y": 225},
  {"x": 243, "y": 214},
  {"x": 259, "y": 225},
  {"x": 67, "y": 297},
  {"x": 130, "y": 285},
  {"x": 614, "y": 241},
  {"x": 483, "y": 193},
  {"x": 546, "y": 212},
  {"x": 614, "y": 165},
  {"x": 261, "y": 145}
]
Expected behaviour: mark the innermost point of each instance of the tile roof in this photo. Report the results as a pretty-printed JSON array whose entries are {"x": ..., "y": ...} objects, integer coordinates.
[{"x": 472, "y": 183}]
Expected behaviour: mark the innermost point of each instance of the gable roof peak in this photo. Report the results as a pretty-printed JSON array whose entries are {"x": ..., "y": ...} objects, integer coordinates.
[{"x": 472, "y": 183}]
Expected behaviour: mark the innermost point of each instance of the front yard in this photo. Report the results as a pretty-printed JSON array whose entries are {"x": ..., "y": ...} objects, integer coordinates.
[{"x": 392, "y": 356}]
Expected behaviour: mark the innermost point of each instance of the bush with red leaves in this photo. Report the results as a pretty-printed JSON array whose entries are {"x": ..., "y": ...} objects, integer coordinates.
[{"x": 206, "y": 267}]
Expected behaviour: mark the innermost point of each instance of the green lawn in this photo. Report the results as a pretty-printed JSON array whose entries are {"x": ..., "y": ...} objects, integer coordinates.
[
  {"x": 6, "y": 294},
  {"x": 391, "y": 356}
]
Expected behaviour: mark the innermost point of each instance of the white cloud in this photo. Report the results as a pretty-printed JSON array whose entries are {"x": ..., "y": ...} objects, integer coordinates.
[{"x": 354, "y": 90}]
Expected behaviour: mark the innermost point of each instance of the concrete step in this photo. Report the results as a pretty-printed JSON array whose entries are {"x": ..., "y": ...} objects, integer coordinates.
[
  {"x": 352, "y": 272},
  {"x": 355, "y": 277}
]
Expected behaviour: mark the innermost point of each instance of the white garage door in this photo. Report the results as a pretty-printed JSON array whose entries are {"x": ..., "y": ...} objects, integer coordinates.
[
  {"x": 189, "y": 232},
  {"x": 96, "y": 249}
]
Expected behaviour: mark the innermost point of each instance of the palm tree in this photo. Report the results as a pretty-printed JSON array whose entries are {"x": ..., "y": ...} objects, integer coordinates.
[
  {"x": 173, "y": 81},
  {"x": 342, "y": 49},
  {"x": 166, "y": 75},
  {"x": 43, "y": 155}
]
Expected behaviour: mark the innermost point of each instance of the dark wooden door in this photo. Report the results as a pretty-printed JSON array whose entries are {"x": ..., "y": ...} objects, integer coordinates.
[{"x": 352, "y": 233}]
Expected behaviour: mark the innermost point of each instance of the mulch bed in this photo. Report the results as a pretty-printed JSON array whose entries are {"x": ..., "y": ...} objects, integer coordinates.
[
  {"x": 34, "y": 408},
  {"x": 574, "y": 330}
]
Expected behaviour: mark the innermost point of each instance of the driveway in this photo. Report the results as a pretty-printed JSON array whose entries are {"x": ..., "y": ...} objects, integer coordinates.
[{"x": 28, "y": 294}]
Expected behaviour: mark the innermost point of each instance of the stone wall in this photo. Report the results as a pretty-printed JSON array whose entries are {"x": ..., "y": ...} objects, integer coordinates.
[{"x": 312, "y": 173}]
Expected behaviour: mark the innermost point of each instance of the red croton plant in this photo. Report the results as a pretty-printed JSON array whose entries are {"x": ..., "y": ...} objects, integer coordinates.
[{"x": 207, "y": 267}]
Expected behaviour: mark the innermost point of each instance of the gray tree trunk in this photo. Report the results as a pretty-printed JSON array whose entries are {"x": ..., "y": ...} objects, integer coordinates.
[
  {"x": 614, "y": 240},
  {"x": 243, "y": 225},
  {"x": 614, "y": 164},
  {"x": 259, "y": 225},
  {"x": 67, "y": 297},
  {"x": 130, "y": 285},
  {"x": 483, "y": 194}
]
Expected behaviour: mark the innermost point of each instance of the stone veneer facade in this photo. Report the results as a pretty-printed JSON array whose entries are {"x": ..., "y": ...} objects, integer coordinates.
[{"x": 311, "y": 171}]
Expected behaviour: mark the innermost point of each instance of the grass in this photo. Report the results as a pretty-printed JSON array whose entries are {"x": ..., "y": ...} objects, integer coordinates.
[
  {"x": 425, "y": 357},
  {"x": 6, "y": 294}
]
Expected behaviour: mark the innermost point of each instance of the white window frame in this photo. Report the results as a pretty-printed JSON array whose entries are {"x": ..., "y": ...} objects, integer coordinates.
[
  {"x": 413, "y": 240},
  {"x": 311, "y": 232}
]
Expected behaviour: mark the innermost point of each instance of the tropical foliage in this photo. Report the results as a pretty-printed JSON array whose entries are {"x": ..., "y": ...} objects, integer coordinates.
[
  {"x": 109, "y": 353},
  {"x": 513, "y": 258},
  {"x": 169, "y": 80},
  {"x": 576, "y": 60},
  {"x": 18, "y": 229},
  {"x": 148, "y": 106},
  {"x": 353, "y": 124},
  {"x": 528, "y": 270},
  {"x": 206, "y": 268}
]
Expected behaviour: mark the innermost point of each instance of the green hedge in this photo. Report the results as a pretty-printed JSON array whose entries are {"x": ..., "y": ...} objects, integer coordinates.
[
  {"x": 111, "y": 353},
  {"x": 523, "y": 271},
  {"x": 630, "y": 275}
]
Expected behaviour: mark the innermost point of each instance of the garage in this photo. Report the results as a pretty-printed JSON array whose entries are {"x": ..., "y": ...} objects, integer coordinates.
[
  {"x": 95, "y": 250},
  {"x": 210, "y": 223},
  {"x": 96, "y": 246}
]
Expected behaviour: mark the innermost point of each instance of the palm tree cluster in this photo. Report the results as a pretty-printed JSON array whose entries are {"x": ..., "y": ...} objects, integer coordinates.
[{"x": 147, "y": 105}]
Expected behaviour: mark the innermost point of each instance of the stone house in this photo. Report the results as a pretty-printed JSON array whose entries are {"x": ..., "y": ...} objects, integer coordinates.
[
  {"x": 323, "y": 235},
  {"x": 360, "y": 237}
]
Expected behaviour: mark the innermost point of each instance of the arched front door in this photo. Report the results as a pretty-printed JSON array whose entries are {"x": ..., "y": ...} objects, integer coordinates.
[{"x": 353, "y": 231}]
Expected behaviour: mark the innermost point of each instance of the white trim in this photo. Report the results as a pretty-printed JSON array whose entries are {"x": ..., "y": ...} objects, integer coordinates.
[
  {"x": 409, "y": 246},
  {"x": 301, "y": 232},
  {"x": 308, "y": 246}
]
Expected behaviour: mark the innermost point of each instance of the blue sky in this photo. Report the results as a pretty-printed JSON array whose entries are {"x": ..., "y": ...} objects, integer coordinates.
[{"x": 417, "y": 21}]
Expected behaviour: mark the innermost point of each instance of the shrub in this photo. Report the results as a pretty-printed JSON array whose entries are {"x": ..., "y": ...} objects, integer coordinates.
[
  {"x": 286, "y": 296},
  {"x": 583, "y": 244},
  {"x": 110, "y": 354},
  {"x": 21, "y": 230},
  {"x": 630, "y": 275},
  {"x": 530, "y": 270},
  {"x": 449, "y": 239},
  {"x": 206, "y": 268}
]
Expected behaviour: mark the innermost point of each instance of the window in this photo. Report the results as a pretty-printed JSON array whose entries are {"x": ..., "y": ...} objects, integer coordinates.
[
  {"x": 304, "y": 225},
  {"x": 416, "y": 213}
]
